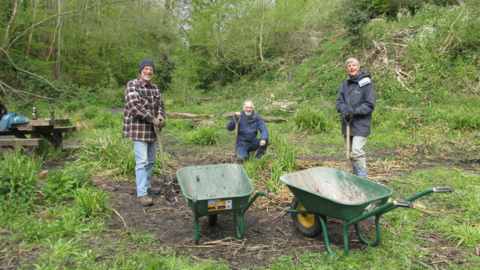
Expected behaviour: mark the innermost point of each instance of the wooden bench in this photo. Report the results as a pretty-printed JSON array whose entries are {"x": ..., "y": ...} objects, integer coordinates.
[
  {"x": 48, "y": 130},
  {"x": 21, "y": 142},
  {"x": 40, "y": 129}
]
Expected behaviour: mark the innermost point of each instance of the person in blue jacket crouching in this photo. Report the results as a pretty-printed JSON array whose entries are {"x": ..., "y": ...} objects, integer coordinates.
[{"x": 248, "y": 127}]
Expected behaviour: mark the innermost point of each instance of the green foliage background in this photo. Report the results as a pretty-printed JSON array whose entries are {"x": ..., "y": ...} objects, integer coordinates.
[{"x": 200, "y": 47}]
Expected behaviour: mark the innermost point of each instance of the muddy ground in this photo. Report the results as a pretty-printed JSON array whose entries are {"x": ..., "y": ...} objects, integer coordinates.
[{"x": 269, "y": 231}]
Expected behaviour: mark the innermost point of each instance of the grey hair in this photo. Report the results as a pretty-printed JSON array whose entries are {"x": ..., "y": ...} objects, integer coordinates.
[
  {"x": 248, "y": 100},
  {"x": 350, "y": 60}
]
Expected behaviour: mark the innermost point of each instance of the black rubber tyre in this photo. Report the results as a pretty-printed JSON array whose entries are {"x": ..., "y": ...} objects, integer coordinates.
[
  {"x": 308, "y": 225},
  {"x": 212, "y": 220}
]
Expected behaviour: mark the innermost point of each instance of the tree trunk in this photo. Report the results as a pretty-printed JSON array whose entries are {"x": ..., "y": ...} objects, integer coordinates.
[
  {"x": 197, "y": 122},
  {"x": 58, "y": 40},
  {"x": 264, "y": 118},
  {"x": 54, "y": 35},
  {"x": 261, "y": 30},
  {"x": 31, "y": 33},
  {"x": 188, "y": 115}
]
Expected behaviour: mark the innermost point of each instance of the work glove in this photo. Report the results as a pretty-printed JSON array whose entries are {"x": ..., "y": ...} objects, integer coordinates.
[
  {"x": 346, "y": 113},
  {"x": 159, "y": 122},
  {"x": 162, "y": 122}
]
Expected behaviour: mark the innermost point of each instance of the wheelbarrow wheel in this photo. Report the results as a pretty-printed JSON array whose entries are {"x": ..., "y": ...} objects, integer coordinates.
[
  {"x": 212, "y": 220},
  {"x": 308, "y": 224}
]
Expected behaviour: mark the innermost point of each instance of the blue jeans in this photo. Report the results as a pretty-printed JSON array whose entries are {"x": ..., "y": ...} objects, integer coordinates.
[
  {"x": 242, "y": 151},
  {"x": 145, "y": 156}
]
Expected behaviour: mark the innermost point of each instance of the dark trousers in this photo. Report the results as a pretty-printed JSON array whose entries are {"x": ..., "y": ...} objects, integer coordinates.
[{"x": 242, "y": 151}]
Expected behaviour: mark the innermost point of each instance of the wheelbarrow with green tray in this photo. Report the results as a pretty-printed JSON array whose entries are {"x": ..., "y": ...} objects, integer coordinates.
[
  {"x": 323, "y": 192},
  {"x": 213, "y": 190}
]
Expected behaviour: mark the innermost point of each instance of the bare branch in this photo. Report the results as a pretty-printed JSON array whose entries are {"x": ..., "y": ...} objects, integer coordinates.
[
  {"x": 397, "y": 44},
  {"x": 451, "y": 31},
  {"x": 173, "y": 16},
  {"x": 11, "y": 89},
  {"x": 24, "y": 71},
  {"x": 400, "y": 80},
  {"x": 225, "y": 63},
  {"x": 16, "y": 91},
  {"x": 1, "y": 86},
  {"x": 54, "y": 16}
]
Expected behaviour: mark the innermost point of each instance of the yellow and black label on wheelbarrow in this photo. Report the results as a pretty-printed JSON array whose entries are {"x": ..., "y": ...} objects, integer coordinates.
[{"x": 218, "y": 205}]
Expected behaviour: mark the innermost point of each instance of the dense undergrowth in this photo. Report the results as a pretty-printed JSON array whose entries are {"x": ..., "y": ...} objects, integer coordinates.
[{"x": 426, "y": 75}]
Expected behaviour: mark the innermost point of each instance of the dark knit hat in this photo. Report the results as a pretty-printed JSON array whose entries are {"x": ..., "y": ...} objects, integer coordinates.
[{"x": 146, "y": 62}]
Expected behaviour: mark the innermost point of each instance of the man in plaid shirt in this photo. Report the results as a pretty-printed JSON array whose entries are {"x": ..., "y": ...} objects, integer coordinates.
[{"x": 143, "y": 109}]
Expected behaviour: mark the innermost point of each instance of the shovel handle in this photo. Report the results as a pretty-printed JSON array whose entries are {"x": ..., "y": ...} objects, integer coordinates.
[
  {"x": 236, "y": 134},
  {"x": 160, "y": 148},
  {"x": 348, "y": 147}
]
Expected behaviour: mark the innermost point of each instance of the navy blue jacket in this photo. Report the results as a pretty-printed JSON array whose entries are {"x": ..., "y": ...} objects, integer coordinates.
[
  {"x": 248, "y": 129},
  {"x": 357, "y": 94}
]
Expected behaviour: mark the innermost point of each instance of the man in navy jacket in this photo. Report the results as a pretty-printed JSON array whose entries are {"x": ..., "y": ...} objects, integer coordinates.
[{"x": 248, "y": 127}]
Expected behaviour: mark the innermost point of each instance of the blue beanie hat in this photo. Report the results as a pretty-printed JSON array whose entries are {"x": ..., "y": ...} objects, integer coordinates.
[{"x": 146, "y": 62}]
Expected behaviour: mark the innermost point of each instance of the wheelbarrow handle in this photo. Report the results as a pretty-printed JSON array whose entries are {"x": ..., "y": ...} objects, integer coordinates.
[
  {"x": 442, "y": 189},
  {"x": 264, "y": 193},
  {"x": 403, "y": 204}
]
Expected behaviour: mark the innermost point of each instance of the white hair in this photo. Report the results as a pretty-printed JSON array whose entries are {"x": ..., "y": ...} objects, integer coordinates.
[
  {"x": 350, "y": 60},
  {"x": 248, "y": 100}
]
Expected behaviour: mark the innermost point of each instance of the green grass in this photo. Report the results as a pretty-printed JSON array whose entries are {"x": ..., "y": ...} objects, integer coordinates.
[{"x": 105, "y": 149}]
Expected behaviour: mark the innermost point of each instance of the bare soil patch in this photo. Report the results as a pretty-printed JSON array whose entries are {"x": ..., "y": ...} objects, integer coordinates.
[{"x": 269, "y": 231}]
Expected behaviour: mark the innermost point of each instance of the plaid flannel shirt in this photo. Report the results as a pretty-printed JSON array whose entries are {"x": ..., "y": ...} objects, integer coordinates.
[{"x": 143, "y": 103}]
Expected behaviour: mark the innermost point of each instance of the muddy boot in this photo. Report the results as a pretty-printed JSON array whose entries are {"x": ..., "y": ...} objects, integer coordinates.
[{"x": 144, "y": 200}]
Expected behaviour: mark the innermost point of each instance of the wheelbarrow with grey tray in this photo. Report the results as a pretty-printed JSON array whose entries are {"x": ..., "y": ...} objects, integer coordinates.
[
  {"x": 213, "y": 190},
  {"x": 321, "y": 192}
]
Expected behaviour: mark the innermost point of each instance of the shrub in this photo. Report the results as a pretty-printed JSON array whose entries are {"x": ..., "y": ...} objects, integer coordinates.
[
  {"x": 204, "y": 135},
  {"x": 310, "y": 120},
  {"x": 18, "y": 177},
  {"x": 62, "y": 183},
  {"x": 91, "y": 202},
  {"x": 464, "y": 119}
]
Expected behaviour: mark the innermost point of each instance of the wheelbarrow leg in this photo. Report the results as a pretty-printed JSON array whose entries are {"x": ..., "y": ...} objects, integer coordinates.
[
  {"x": 379, "y": 233},
  {"x": 325, "y": 235},
  {"x": 240, "y": 231},
  {"x": 195, "y": 212}
]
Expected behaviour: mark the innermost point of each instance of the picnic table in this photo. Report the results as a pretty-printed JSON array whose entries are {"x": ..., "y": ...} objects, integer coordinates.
[{"x": 38, "y": 129}]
